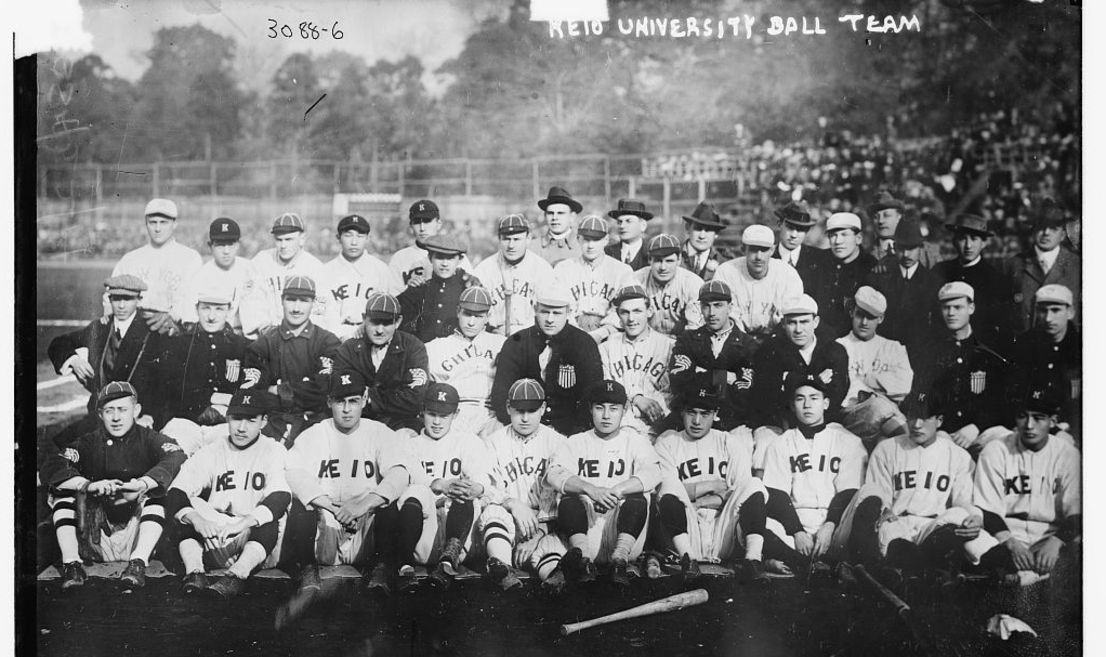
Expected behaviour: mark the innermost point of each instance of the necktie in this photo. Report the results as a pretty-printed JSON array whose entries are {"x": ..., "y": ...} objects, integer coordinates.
[
  {"x": 543, "y": 359},
  {"x": 626, "y": 256},
  {"x": 112, "y": 349}
]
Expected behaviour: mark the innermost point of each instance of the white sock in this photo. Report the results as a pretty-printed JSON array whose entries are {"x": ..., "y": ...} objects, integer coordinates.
[
  {"x": 192, "y": 554},
  {"x": 67, "y": 541},
  {"x": 682, "y": 543},
  {"x": 251, "y": 557},
  {"x": 754, "y": 546},
  {"x": 148, "y": 535}
]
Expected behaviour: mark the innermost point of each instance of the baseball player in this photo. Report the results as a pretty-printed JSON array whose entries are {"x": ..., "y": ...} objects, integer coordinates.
[
  {"x": 604, "y": 477},
  {"x": 106, "y": 488},
  {"x": 292, "y": 361},
  {"x": 519, "y": 527},
  {"x": 558, "y": 242},
  {"x": 593, "y": 276},
  {"x": 466, "y": 361},
  {"x": 412, "y": 263},
  {"x": 759, "y": 283},
  {"x": 794, "y": 224},
  {"x": 638, "y": 358},
  {"x": 699, "y": 255},
  {"x": 226, "y": 270},
  {"x": 229, "y": 500},
  {"x": 879, "y": 373},
  {"x": 812, "y": 473},
  {"x": 847, "y": 272},
  {"x": 165, "y": 265},
  {"x": 354, "y": 276},
  {"x": 672, "y": 289},
  {"x": 887, "y": 213},
  {"x": 430, "y": 310},
  {"x": 1030, "y": 490},
  {"x": 512, "y": 276},
  {"x": 631, "y": 218},
  {"x": 342, "y": 471},
  {"x": 391, "y": 362},
  {"x": 708, "y": 502},
  {"x": 452, "y": 489},
  {"x": 285, "y": 261},
  {"x": 564, "y": 358}
]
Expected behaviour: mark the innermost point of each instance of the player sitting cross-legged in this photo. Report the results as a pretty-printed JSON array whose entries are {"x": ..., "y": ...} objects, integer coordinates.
[
  {"x": 708, "y": 501},
  {"x": 518, "y": 528},
  {"x": 604, "y": 476},
  {"x": 229, "y": 499}
]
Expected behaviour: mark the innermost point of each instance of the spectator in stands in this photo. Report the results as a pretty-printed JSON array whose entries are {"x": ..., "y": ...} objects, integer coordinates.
[
  {"x": 1048, "y": 263},
  {"x": 631, "y": 217},
  {"x": 699, "y": 255}
]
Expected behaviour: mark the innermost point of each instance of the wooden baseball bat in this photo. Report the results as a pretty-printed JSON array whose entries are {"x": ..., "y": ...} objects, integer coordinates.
[
  {"x": 671, "y": 603},
  {"x": 901, "y": 608}
]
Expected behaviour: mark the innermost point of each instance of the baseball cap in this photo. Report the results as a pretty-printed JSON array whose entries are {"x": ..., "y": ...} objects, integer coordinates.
[
  {"x": 251, "y": 403},
  {"x": 795, "y": 213},
  {"x": 215, "y": 292},
  {"x": 663, "y": 245},
  {"x": 870, "y": 300},
  {"x": 161, "y": 207},
  {"x": 606, "y": 392},
  {"x": 554, "y": 294},
  {"x": 908, "y": 234},
  {"x": 593, "y": 227},
  {"x": 842, "y": 220},
  {"x": 115, "y": 390},
  {"x": 382, "y": 307},
  {"x": 560, "y": 195},
  {"x": 701, "y": 397},
  {"x": 796, "y": 379},
  {"x": 302, "y": 286},
  {"x": 758, "y": 235},
  {"x": 955, "y": 290},
  {"x": 511, "y": 224},
  {"x": 346, "y": 383},
  {"x": 224, "y": 229},
  {"x": 424, "y": 210},
  {"x": 125, "y": 285},
  {"x": 628, "y": 292},
  {"x": 289, "y": 222},
  {"x": 441, "y": 398},
  {"x": 526, "y": 395},
  {"x": 804, "y": 304},
  {"x": 353, "y": 222},
  {"x": 446, "y": 245},
  {"x": 475, "y": 299},
  {"x": 1040, "y": 399},
  {"x": 630, "y": 206},
  {"x": 715, "y": 290},
  {"x": 1054, "y": 293},
  {"x": 921, "y": 404}
]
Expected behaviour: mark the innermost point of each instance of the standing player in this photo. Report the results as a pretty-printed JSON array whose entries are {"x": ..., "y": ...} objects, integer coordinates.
[
  {"x": 846, "y": 272},
  {"x": 604, "y": 477},
  {"x": 519, "y": 528},
  {"x": 118, "y": 474},
  {"x": 354, "y": 276},
  {"x": 558, "y": 243},
  {"x": 699, "y": 255},
  {"x": 466, "y": 361},
  {"x": 594, "y": 277},
  {"x": 672, "y": 289},
  {"x": 165, "y": 265},
  {"x": 229, "y": 499},
  {"x": 226, "y": 270},
  {"x": 412, "y": 263},
  {"x": 285, "y": 261},
  {"x": 512, "y": 276},
  {"x": 708, "y": 501},
  {"x": 760, "y": 284},
  {"x": 631, "y": 218}
]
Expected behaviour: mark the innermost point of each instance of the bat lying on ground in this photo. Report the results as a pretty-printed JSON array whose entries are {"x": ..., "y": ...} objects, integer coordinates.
[
  {"x": 904, "y": 611},
  {"x": 671, "y": 603}
]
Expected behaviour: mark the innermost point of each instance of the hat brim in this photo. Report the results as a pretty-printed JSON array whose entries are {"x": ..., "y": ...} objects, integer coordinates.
[
  {"x": 615, "y": 214},
  {"x": 124, "y": 293},
  {"x": 246, "y": 411},
  {"x": 100, "y": 403},
  {"x": 214, "y": 300},
  {"x": 897, "y": 205},
  {"x": 365, "y": 230},
  {"x": 795, "y": 220},
  {"x": 908, "y": 245},
  {"x": 705, "y": 223},
  {"x": 381, "y": 317},
  {"x": 526, "y": 405},
  {"x": 284, "y": 230},
  {"x": 957, "y": 228},
  {"x": 572, "y": 204}
]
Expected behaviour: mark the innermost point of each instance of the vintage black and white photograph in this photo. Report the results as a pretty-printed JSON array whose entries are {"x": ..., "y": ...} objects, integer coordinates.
[{"x": 524, "y": 327}]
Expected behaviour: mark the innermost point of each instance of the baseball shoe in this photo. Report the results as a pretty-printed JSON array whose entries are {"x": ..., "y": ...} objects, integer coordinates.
[
  {"x": 503, "y": 575},
  {"x": 651, "y": 566},
  {"x": 555, "y": 583},
  {"x": 844, "y": 575},
  {"x": 689, "y": 568},
  {"x": 451, "y": 556},
  {"x": 228, "y": 587},
  {"x": 380, "y": 581},
  {"x": 819, "y": 569},
  {"x": 440, "y": 578},
  {"x": 753, "y": 572},
  {"x": 195, "y": 583},
  {"x": 72, "y": 575},
  {"x": 408, "y": 583},
  {"x": 577, "y": 567},
  {"x": 309, "y": 579},
  {"x": 134, "y": 575},
  {"x": 620, "y": 573}
]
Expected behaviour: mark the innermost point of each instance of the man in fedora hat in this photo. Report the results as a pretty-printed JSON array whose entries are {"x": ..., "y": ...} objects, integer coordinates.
[
  {"x": 631, "y": 217},
  {"x": 909, "y": 289},
  {"x": 1047, "y": 263},
  {"x": 794, "y": 224},
  {"x": 699, "y": 255},
  {"x": 559, "y": 240},
  {"x": 886, "y": 213}
]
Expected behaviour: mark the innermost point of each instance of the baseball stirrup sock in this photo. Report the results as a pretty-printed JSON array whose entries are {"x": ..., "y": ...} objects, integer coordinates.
[
  {"x": 458, "y": 521},
  {"x": 673, "y": 515},
  {"x": 250, "y": 558},
  {"x": 754, "y": 547},
  {"x": 192, "y": 554},
  {"x": 572, "y": 516},
  {"x": 753, "y": 514},
  {"x": 410, "y": 530},
  {"x": 149, "y": 532},
  {"x": 547, "y": 564},
  {"x": 632, "y": 514},
  {"x": 497, "y": 542},
  {"x": 65, "y": 528}
]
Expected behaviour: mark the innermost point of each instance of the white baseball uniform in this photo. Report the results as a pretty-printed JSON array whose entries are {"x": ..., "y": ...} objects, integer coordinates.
[
  {"x": 348, "y": 285},
  {"x": 878, "y": 365},
  {"x": 593, "y": 284},
  {"x": 273, "y": 273},
  {"x": 675, "y": 304},
  {"x": 758, "y": 304},
  {"x": 166, "y": 271},
  {"x": 641, "y": 366},
  {"x": 247, "y": 304},
  {"x": 468, "y": 366},
  {"x": 519, "y": 282}
]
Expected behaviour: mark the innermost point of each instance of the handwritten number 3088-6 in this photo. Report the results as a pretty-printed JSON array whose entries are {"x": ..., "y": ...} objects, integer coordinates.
[{"x": 307, "y": 30}]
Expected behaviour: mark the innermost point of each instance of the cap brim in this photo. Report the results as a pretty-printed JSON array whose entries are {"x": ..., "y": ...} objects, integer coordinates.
[
  {"x": 381, "y": 317},
  {"x": 284, "y": 230},
  {"x": 124, "y": 293},
  {"x": 527, "y": 405},
  {"x": 439, "y": 408}
]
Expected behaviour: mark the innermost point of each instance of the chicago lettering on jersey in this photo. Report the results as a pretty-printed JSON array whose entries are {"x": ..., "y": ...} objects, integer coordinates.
[
  {"x": 801, "y": 463},
  {"x": 518, "y": 288},
  {"x": 593, "y": 289},
  {"x": 470, "y": 352},
  {"x": 530, "y": 465},
  {"x": 637, "y": 363},
  {"x": 691, "y": 468},
  {"x": 225, "y": 481},
  {"x": 667, "y": 302},
  {"x": 910, "y": 479}
]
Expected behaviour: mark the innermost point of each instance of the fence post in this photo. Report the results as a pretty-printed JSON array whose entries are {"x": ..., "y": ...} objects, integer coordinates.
[
  {"x": 667, "y": 203},
  {"x": 99, "y": 184},
  {"x": 468, "y": 177},
  {"x": 373, "y": 176},
  {"x": 607, "y": 177},
  {"x": 337, "y": 177},
  {"x": 537, "y": 179},
  {"x": 702, "y": 189},
  {"x": 214, "y": 181},
  {"x": 273, "y": 169},
  {"x": 157, "y": 180},
  {"x": 632, "y": 192},
  {"x": 402, "y": 176}
]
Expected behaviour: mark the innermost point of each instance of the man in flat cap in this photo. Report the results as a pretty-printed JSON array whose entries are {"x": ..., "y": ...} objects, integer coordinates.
[
  {"x": 292, "y": 361},
  {"x": 673, "y": 291},
  {"x": 512, "y": 276},
  {"x": 909, "y": 289},
  {"x": 886, "y": 213},
  {"x": 631, "y": 218},
  {"x": 699, "y": 255},
  {"x": 165, "y": 265},
  {"x": 430, "y": 310},
  {"x": 845, "y": 274},
  {"x": 794, "y": 224},
  {"x": 558, "y": 242},
  {"x": 227, "y": 270},
  {"x": 562, "y": 357},
  {"x": 760, "y": 284},
  {"x": 593, "y": 276},
  {"x": 106, "y": 489},
  {"x": 1047, "y": 263},
  {"x": 392, "y": 362},
  {"x": 412, "y": 263},
  {"x": 284, "y": 261},
  {"x": 353, "y": 276}
]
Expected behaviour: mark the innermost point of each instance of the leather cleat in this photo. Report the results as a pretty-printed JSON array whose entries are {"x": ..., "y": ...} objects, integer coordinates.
[
  {"x": 451, "y": 556},
  {"x": 134, "y": 575},
  {"x": 753, "y": 572},
  {"x": 511, "y": 581},
  {"x": 497, "y": 570},
  {"x": 440, "y": 578},
  {"x": 572, "y": 564},
  {"x": 651, "y": 567},
  {"x": 380, "y": 581},
  {"x": 408, "y": 583},
  {"x": 72, "y": 575},
  {"x": 555, "y": 583},
  {"x": 620, "y": 574},
  {"x": 689, "y": 568},
  {"x": 228, "y": 587},
  {"x": 195, "y": 583}
]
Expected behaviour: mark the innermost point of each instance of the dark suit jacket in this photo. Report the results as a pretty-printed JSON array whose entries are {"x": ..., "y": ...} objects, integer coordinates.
[
  {"x": 779, "y": 357},
  {"x": 910, "y": 315},
  {"x": 931, "y": 254},
  {"x": 1027, "y": 277},
  {"x": 640, "y": 260},
  {"x": 835, "y": 286},
  {"x": 692, "y": 352},
  {"x": 706, "y": 272},
  {"x": 812, "y": 266},
  {"x": 995, "y": 319},
  {"x": 395, "y": 390}
]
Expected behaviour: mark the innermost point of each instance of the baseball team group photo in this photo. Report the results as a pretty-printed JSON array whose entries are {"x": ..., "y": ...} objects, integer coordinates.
[{"x": 457, "y": 330}]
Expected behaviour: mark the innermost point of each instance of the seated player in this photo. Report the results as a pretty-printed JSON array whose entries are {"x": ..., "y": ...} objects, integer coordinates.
[
  {"x": 118, "y": 475},
  {"x": 761, "y": 284},
  {"x": 812, "y": 473},
  {"x": 1029, "y": 487},
  {"x": 879, "y": 373},
  {"x": 519, "y": 528},
  {"x": 708, "y": 501},
  {"x": 229, "y": 500},
  {"x": 449, "y": 493},
  {"x": 429, "y": 311},
  {"x": 341, "y": 472},
  {"x": 638, "y": 359},
  {"x": 916, "y": 504},
  {"x": 466, "y": 360},
  {"x": 604, "y": 477}
]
